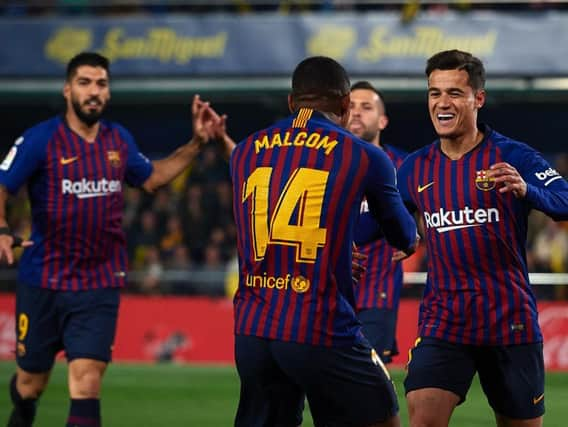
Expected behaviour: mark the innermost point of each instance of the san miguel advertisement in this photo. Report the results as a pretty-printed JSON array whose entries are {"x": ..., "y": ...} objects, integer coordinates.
[
  {"x": 200, "y": 330},
  {"x": 271, "y": 44}
]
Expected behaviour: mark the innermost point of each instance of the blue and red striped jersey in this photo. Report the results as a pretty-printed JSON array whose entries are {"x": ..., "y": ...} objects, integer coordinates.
[
  {"x": 298, "y": 186},
  {"x": 75, "y": 189},
  {"x": 381, "y": 283},
  {"x": 477, "y": 289}
]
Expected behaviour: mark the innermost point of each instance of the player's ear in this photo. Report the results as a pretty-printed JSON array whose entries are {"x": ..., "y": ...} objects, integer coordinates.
[
  {"x": 480, "y": 98},
  {"x": 383, "y": 121},
  {"x": 66, "y": 90},
  {"x": 291, "y": 103}
]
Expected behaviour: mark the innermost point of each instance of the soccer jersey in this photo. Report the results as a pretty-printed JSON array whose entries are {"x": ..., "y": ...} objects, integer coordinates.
[
  {"x": 477, "y": 289},
  {"x": 381, "y": 282},
  {"x": 75, "y": 189},
  {"x": 298, "y": 187}
]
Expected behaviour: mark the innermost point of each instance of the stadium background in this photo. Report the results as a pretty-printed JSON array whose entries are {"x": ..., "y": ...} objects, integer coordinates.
[{"x": 177, "y": 307}]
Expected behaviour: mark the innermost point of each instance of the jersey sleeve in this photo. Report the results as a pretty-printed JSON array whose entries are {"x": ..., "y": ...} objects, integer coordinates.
[
  {"x": 138, "y": 166},
  {"x": 403, "y": 176},
  {"x": 26, "y": 155},
  {"x": 385, "y": 202},
  {"x": 547, "y": 190}
]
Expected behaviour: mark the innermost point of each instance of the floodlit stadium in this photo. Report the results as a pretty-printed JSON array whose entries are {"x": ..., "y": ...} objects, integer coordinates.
[{"x": 173, "y": 355}]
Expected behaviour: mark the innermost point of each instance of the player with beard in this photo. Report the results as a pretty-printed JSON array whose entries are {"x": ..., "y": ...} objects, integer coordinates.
[
  {"x": 75, "y": 167},
  {"x": 377, "y": 292}
]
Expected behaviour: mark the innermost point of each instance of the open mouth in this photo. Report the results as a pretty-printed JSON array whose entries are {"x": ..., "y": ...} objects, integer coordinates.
[{"x": 445, "y": 117}]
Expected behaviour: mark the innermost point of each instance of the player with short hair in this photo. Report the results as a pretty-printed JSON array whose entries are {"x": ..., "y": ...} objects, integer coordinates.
[
  {"x": 474, "y": 189},
  {"x": 298, "y": 187},
  {"x": 75, "y": 166},
  {"x": 377, "y": 292}
]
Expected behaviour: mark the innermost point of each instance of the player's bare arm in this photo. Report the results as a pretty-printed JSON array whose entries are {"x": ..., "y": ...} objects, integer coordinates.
[
  {"x": 165, "y": 170},
  {"x": 507, "y": 179},
  {"x": 7, "y": 239}
]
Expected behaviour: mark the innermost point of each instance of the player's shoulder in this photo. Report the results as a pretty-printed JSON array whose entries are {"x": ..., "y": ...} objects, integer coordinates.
[
  {"x": 43, "y": 130},
  {"x": 421, "y": 154},
  {"x": 111, "y": 127},
  {"x": 395, "y": 151},
  {"x": 510, "y": 148}
]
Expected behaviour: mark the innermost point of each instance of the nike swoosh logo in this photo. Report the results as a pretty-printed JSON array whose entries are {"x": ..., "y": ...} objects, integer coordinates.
[
  {"x": 65, "y": 161},
  {"x": 538, "y": 399},
  {"x": 421, "y": 188}
]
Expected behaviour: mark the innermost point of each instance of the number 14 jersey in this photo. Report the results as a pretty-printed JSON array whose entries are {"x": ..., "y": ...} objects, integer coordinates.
[{"x": 297, "y": 189}]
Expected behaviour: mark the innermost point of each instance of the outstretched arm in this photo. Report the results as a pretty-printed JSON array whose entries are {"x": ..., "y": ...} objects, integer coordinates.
[
  {"x": 165, "y": 170},
  {"x": 221, "y": 135}
]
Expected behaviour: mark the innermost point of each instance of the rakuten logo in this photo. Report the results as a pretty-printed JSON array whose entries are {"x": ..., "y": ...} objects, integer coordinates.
[
  {"x": 84, "y": 188},
  {"x": 549, "y": 173},
  {"x": 444, "y": 220}
]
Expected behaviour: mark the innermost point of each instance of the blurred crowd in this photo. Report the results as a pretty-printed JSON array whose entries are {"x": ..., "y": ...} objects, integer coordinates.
[
  {"x": 408, "y": 8},
  {"x": 181, "y": 240}
]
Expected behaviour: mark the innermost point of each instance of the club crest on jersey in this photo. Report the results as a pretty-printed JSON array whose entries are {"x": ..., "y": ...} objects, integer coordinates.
[
  {"x": 483, "y": 182},
  {"x": 300, "y": 284},
  {"x": 114, "y": 158}
]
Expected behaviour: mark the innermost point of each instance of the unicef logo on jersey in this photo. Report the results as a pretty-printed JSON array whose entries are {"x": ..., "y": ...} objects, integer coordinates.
[
  {"x": 85, "y": 189},
  {"x": 443, "y": 220}
]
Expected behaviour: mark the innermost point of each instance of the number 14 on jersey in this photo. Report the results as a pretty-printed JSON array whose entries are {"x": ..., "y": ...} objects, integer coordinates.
[{"x": 301, "y": 198}]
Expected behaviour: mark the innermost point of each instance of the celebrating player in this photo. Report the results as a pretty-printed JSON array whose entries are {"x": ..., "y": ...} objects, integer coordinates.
[
  {"x": 377, "y": 292},
  {"x": 75, "y": 166},
  {"x": 298, "y": 187},
  {"x": 474, "y": 189}
]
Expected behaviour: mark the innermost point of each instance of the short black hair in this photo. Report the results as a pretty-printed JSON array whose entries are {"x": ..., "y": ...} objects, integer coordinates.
[
  {"x": 92, "y": 59},
  {"x": 319, "y": 77},
  {"x": 459, "y": 60},
  {"x": 365, "y": 85}
]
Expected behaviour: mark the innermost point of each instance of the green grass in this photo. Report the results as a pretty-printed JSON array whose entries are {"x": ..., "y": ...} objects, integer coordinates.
[{"x": 171, "y": 395}]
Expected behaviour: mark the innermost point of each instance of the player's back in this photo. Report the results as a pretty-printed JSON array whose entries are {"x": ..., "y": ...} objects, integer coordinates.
[{"x": 297, "y": 191}]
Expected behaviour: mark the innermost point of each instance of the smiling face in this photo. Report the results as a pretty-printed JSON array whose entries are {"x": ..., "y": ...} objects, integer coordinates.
[
  {"x": 453, "y": 104},
  {"x": 367, "y": 115},
  {"x": 87, "y": 93}
]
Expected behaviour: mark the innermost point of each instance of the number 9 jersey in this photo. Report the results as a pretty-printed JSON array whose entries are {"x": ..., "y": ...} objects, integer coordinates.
[{"x": 297, "y": 190}]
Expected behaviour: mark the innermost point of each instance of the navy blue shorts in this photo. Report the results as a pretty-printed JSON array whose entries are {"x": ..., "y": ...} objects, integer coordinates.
[
  {"x": 345, "y": 386},
  {"x": 379, "y": 327},
  {"x": 82, "y": 323},
  {"x": 512, "y": 377}
]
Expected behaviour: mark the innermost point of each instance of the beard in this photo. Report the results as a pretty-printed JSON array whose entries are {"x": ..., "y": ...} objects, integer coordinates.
[{"x": 88, "y": 117}]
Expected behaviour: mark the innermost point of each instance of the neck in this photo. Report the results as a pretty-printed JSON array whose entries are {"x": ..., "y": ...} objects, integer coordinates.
[
  {"x": 456, "y": 148},
  {"x": 88, "y": 133},
  {"x": 331, "y": 116},
  {"x": 377, "y": 141}
]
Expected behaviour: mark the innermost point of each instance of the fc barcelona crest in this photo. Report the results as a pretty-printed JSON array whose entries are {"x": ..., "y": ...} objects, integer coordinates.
[
  {"x": 114, "y": 158},
  {"x": 483, "y": 182}
]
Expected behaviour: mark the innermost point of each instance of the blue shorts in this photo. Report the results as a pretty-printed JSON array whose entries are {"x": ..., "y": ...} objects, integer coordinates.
[
  {"x": 345, "y": 386},
  {"x": 379, "y": 327},
  {"x": 82, "y": 323},
  {"x": 512, "y": 377}
]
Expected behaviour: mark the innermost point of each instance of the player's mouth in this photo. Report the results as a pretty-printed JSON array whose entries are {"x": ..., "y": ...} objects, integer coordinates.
[
  {"x": 93, "y": 103},
  {"x": 355, "y": 126},
  {"x": 445, "y": 119}
]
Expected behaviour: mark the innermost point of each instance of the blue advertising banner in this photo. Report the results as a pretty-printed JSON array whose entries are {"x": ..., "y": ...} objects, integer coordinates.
[{"x": 231, "y": 45}]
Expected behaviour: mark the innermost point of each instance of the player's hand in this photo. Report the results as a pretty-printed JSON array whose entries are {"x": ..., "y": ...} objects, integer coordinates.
[
  {"x": 9, "y": 241},
  {"x": 399, "y": 255},
  {"x": 204, "y": 121},
  {"x": 508, "y": 179},
  {"x": 357, "y": 267}
]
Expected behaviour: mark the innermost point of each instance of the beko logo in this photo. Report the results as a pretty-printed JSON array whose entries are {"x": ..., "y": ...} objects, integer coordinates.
[
  {"x": 444, "y": 220},
  {"x": 549, "y": 173},
  {"x": 84, "y": 188}
]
